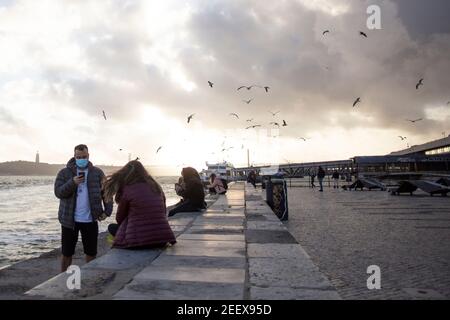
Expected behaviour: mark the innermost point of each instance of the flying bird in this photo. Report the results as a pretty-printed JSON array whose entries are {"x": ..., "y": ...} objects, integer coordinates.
[
  {"x": 363, "y": 34},
  {"x": 247, "y": 101},
  {"x": 275, "y": 123},
  {"x": 158, "y": 149},
  {"x": 420, "y": 83},
  {"x": 234, "y": 114},
  {"x": 325, "y": 32},
  {"x": 266, "y": 88},
  {"x": 190, "y": 117},
  {"x": 249, "y": 120},
  {"x": 414, "y": 121},
  {"x": 104, "y": 114},
  {"x": 356, "y": 102},
  {"x": 274, "y": 113},
  {"x": 210, "y": 84},
  {"x": 284, "y": 123},
  {"x": 255, "y": 126},
  {"x": 248, "y": 88},
  {"x": 301, "y": 138},
  {"x": 403, "y": 138}
]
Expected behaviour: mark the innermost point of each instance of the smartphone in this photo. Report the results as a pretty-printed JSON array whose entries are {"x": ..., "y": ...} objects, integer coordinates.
[{"x": 82, "y": 174}]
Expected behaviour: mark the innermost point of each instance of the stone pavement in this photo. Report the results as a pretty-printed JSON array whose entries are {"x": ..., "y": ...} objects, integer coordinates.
[
  {"x": 236, "y": 249},
  {"x": 344, "y": 232}
]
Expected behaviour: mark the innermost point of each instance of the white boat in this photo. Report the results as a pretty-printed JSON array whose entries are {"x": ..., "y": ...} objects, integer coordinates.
[{"x": 222, "y": 169}]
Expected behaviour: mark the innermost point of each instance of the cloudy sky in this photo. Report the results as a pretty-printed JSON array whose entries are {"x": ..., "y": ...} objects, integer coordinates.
[{"x": 147, "y": 64}]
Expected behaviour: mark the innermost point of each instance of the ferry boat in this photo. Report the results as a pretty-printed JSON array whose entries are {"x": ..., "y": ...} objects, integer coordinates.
[{"x": 223, "y": 169}]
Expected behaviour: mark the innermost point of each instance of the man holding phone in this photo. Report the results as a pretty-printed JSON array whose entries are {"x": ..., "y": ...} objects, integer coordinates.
[{"x": 79, "y": 188}]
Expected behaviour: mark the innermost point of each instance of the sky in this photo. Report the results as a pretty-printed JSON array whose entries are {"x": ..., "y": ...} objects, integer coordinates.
[{"x": 147, "y": 65}]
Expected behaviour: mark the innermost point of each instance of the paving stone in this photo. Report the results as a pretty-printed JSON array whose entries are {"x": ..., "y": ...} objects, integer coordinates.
[
  {"x": 210, "y": 244},
  {"x": 119, "y": 259},
  {"x": 286, "y": 293},
  {"x": 294, "y": 272},
  {"x": 191, "y": 274},
  {"x": 200, "y": 261},
  {"x": 180, "y": 290},
  {"x": 205, "y": 251},
  {"x": 266, "y": 225},
  {"x": 215, "y": 231},
  {"x": 275, "y": 251},
  {"x": 269, "y": 236},
  {"x": 217, "y": 226},
  {"x": 221, "y": 237},
  {"x": 219, "y": 221}
]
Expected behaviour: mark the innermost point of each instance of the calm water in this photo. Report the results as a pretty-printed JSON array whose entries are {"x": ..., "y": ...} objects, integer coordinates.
[{"x": 29, "y": 216}]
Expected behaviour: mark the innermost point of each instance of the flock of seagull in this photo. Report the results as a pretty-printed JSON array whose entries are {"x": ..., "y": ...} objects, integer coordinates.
[{"x": 274, "y": 114}]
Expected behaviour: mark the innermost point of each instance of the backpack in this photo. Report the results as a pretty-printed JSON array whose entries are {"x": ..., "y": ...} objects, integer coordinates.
[{"x": 225, "y": 184}]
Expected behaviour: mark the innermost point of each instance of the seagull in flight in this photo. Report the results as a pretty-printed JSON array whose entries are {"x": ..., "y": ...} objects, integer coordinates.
[
  {"x": 356, "y": 101},
  {"x": 275, "y": 123},
  {"x": 414, "y": 121},
  {"x": 190, "y": 117},
  {"x": 248, "y": 88},
  {"x": 284, "y": 123},
  {"x": 158, "y": 149},
  {"x": 363, "y": 34},
  {"x": 420, "y": 83},
  {"x": 325, "y": 32},
  {"x": 301, "y": 138},
  {"x": 266, "y": 88},
  {"x": 104, "y": 114},
  {"x": 274, "y": 113},
  {"x": 249, "y": 120},
  {"x": 234, "y": 115},
  {"x": 210, "y": 84},
  {"x": 403, "y": 138},
  {"x": 255, "y": 126},
  {"x": 247, "y": 101}
]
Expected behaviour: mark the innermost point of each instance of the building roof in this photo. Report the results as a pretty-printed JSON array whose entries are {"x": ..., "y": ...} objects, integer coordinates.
[{"x": 423, "y": 147}]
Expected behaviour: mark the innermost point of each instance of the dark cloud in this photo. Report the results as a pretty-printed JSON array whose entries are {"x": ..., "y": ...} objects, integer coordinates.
[{"x": 423, "y": 18}]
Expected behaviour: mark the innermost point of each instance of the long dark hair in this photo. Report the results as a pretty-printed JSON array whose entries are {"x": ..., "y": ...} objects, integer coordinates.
[
  {"x": 133, "y": 172},
  {"x": 190, "y": 174}
]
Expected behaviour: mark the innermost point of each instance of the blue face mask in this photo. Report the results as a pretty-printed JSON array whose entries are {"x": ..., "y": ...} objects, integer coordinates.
[{"x": 82, "y": 163}]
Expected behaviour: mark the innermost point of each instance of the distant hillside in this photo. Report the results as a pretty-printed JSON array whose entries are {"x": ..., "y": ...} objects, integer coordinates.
[{"x": 27, "y": 168}]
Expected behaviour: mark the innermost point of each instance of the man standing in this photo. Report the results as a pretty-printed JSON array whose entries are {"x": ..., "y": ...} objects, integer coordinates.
[
  {"x": 79, "y": 188},
  {"x": 320, "y": 176},
  {"x": 335, "y": 179}
]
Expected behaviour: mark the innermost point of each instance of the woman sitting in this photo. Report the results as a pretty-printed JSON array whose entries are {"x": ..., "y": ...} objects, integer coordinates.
[
  {"x": 216, "y": 186},
  {"x": 141, "y": 214},
  {"x": 190, "y": 187}
]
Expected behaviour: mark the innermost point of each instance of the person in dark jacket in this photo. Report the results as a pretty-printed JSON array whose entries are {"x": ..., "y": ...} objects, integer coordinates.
[
  {"x": 216, "y": 186},
  {"x": 141, "y": 214},
  {"x": 320, "y": 177},
  {"x": 192, "y": 190},
  {"x": 335, "y": 177},
  {"x": 81, "y": 205},
  {"x": 252, "y": 178}
]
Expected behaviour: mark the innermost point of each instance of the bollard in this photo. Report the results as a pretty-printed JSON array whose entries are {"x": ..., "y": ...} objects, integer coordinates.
[{"x": 277, "y": 198}]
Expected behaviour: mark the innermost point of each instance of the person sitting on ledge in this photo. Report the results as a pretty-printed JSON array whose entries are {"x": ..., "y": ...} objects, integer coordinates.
[
  {"x": 141, "y": 214},
  {"x": 190, "y": 187},
  {"x": 216, "y": 186}
]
